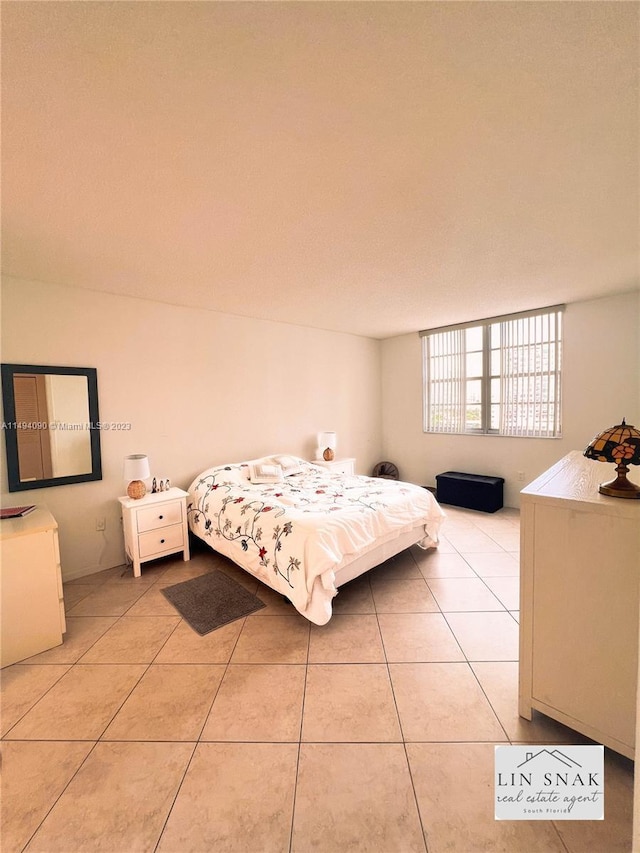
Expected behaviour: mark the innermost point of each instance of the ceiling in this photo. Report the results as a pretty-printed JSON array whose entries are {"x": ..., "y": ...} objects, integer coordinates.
[{"x": 366, "y": 167}]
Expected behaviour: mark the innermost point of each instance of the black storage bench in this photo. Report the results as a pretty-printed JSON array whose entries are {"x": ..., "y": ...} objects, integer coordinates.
[{"x": 473, "y": 491}]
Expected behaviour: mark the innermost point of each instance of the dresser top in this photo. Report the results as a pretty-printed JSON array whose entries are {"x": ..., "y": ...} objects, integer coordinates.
[
  {"x": 37, "y": 521},
  {"x": 576, "y": 479}
]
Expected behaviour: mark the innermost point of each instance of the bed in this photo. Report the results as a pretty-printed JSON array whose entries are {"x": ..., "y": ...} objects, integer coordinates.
[{"x": 303, "y": 530}]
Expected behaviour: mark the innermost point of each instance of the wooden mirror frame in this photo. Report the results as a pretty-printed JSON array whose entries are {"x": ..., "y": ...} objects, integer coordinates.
[{"x": 11, "y": 432}]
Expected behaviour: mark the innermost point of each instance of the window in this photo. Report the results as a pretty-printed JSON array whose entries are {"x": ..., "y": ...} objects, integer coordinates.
[{"x": 499, "y": 376}]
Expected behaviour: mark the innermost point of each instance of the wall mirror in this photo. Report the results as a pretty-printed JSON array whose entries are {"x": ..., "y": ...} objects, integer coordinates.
[{"x": 50, "y": 425}]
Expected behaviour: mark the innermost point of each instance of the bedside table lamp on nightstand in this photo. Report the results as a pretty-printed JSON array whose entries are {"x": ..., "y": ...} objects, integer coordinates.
[
  {"x": 327, "y": 443},
  {"x": 136, "y": 469}
]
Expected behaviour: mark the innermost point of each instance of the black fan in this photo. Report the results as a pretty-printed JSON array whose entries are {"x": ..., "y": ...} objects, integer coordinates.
[{"x": 387, "y": 470}]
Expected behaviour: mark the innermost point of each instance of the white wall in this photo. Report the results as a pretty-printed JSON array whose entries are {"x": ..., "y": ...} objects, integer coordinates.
[
  {"x": 198, "y": 388},
  {"x": 601, "y": 385}
]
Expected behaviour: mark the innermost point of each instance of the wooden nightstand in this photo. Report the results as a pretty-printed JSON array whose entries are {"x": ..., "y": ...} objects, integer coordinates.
[
  {"x": 338, "y": 466},
  {"x": 154, "y": 526}
]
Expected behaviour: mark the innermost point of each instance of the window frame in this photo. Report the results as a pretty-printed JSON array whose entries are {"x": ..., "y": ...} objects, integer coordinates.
[{"x": 456, "y": 394}]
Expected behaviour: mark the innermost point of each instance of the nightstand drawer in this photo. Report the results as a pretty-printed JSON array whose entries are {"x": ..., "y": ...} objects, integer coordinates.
[
  {"x": 159, "y": 516},
  {"x": 164, "y": 539}
]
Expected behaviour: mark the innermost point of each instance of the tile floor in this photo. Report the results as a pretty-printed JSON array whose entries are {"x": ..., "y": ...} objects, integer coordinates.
[{"x": 372, "y": 733}]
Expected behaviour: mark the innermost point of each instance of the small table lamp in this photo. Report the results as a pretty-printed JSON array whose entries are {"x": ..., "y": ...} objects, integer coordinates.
[
  {"x": 136, "y": 469},
  {"x": 327, "y": 443},
  {"x": 619, "y": 444}
]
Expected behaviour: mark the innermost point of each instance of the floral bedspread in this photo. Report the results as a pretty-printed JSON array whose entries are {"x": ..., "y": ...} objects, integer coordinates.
[{"x": 294, "y": 535}]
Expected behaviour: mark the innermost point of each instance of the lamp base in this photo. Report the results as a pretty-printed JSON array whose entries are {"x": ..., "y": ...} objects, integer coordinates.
[
  {"x": 620, "y": 487},
  {"x": 136, "y": 489},
  {"x": 328, "y": 455}
]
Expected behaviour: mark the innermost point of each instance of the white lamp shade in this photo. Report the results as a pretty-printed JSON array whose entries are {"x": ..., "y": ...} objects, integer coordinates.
[
  {"x": 136, "y": 467},
  {"x": 327, "y": 439}
]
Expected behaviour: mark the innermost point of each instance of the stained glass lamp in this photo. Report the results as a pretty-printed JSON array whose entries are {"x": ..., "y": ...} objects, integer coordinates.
[{"x": 619, "y": 444}]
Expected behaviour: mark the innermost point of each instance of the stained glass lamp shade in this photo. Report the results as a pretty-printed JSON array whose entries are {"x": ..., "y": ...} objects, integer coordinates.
[{"x": 619, "y": 444}]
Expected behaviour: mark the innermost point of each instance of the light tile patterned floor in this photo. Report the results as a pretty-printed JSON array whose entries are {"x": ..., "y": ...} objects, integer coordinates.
[{"x": 372, "y": 733}]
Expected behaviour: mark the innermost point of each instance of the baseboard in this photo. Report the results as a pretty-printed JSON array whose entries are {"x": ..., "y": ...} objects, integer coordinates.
[{"x": 86, "y": 572}]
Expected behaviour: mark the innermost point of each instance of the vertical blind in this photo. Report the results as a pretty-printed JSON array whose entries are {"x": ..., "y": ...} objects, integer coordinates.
[
  {"x": 530, "y": 375},
  {"x": 522, "y": 355},
  {"x": 445, "y": 367}
]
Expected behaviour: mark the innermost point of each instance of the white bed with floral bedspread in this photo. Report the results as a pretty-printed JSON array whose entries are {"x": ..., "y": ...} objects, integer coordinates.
[{"x": 309, "y": 530}]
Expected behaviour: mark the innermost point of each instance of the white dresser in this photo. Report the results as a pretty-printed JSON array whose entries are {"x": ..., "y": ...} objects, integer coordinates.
[
  {"x": 31, "y": 586},
  {"x": 154, "y": 526},
  {"x": 579, "y": 571}
]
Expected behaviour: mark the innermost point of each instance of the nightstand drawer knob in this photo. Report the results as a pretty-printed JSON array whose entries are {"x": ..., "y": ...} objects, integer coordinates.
[
  {"x": 162, "y": 541},
  {"x": 161, "y": 517}
]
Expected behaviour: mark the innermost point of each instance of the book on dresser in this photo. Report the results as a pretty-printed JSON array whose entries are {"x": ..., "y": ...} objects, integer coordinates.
[{"x": 16, "y": 511}]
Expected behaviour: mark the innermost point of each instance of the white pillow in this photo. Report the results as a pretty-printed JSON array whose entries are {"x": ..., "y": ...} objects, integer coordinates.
[
  {"x": 289, "y": 464},
  {"x": 263, "y": 472}
]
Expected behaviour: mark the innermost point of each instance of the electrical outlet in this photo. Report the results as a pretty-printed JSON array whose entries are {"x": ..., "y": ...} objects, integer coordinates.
[
  {"x": 521, "y": 476},
  {"x": 101, "y": 524}
]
